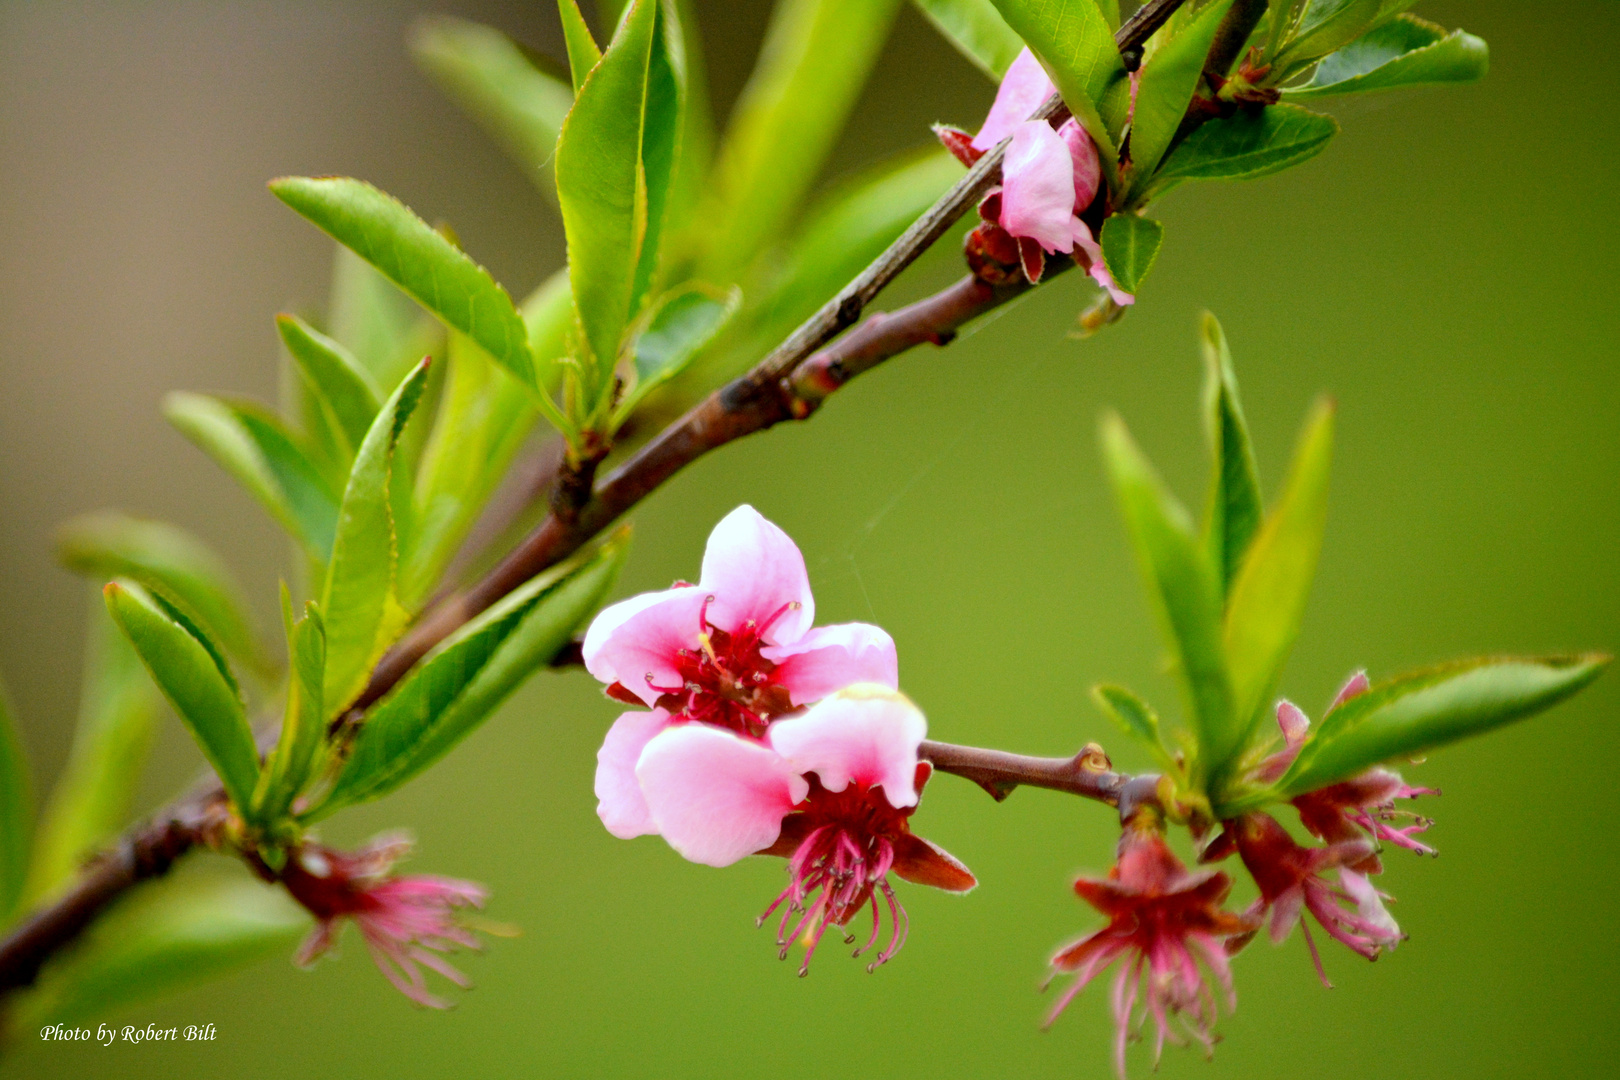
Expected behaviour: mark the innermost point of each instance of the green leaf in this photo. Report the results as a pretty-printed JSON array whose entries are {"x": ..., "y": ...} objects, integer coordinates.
[
  {"x": 169, "y": 560},
  {"x": 977, "y": 30},
  {"x": 341, "y": 388},
  {"x": 1073, "y": 41},
  {"x": 812, "y": 67},
  {"x": 168, "y": 937},
  {"x": 583, "y": 53},
  {"x": 118, "y": 713},
  {"x": 1184, "y": 589},
  {"x": 501, "y": 87},
  {"x": 1235, "y": 507},
  {"x": 1407, "y": 51},
  {"x": 462, "y": 681},
  {"x": 303, "y": 724},
  {"x": 1168, "y": 80},
  {"x": 251, "y": 443},
  {"x": 375, "y": 321},
  {"x": 1424, "y": 710},
  {"x": 1247, "y": 145},
  {"x": 358, "y": 604},
  {"x": 1266, "y": 603},
  {"x": 1326, "y": 26},
  {"x": 1134, "y": 717},
  {"x": 433, "y": 271},
  {"x": 603, "y": 191},
  {"x": 189, "y": 670},
  {"x": 661, "y": 132},
  {"x": 483, "y": 419},
  {"x": 16, "y": 812},
  {"x": 680, "y": 326},
  {"x": 1130, "y": 244}
]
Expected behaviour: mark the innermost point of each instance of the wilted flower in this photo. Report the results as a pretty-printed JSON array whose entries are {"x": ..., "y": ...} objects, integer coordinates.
[
  {"x": 1291, "y": 878},
  {"x": 1048, "y": 178},
  {"x": 1362, "y": 806},
  {"x": 831, "y": 790},
  {"x": 735, "y": 650},
  {"x": 1163, "y": 920},
  {"x": 405, "y": 921},
  {"x": 1365, "y": 804}
]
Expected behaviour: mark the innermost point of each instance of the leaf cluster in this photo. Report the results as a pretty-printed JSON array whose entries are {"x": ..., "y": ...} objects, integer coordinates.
[{"x": 1231, "y": 595}]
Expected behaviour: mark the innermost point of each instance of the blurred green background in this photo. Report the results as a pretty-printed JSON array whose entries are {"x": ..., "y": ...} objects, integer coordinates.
[{"x": 1446, "y": 269}]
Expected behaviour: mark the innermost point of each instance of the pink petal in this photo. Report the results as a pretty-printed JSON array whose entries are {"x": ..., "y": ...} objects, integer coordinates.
[
  {"x": 318, "y": 943},
  {"x": 634, "y": 642},
  {"x": 620, "y": 803},
  {"x": 866, "y": 733},
  {"x": 829, "y": 658},
  {"x": 1087, "y": 169},
  {"x": 1037, "y": 188},
  {"x": 752, "y": 569},
  {"x": 1294, "y": 723},
  {"x": 1023, "y": 89},
  {"x": 1370, "y": 906},
  {"x": 1354, "y": 686},
  {"x": 714, "y": 795}
]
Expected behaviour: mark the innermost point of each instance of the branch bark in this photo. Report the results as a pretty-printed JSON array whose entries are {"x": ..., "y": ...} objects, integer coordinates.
[{"x": 787, "y": 384}]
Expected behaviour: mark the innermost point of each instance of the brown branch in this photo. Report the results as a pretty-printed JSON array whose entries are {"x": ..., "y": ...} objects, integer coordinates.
[
  {"x": 1089, "y": 774},
  {"x": 143, "y": 854},
  {"x": 788, "y": 384}
]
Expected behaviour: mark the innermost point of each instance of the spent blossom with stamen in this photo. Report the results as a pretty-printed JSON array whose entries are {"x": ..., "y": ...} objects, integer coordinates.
[
  {"x": 1292, "y": 880},
  {"x": 832, "y": 790},
  {"x": 1166, "y": 925},
  {"x": 735, "y": 651},
  {"x": 1361, "y": 805},
  {"x": 407, "y": 922}
]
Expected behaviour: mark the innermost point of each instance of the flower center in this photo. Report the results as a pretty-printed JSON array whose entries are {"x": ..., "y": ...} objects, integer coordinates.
[
  {"x": 725, "y": 681},
  {"x": 840, "y": 866}
]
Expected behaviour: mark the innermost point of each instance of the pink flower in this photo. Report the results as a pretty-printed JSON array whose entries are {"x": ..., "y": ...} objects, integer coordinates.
[
  {"x": 1362, "y": 805},
  {"x": 1162, "y": 921},
  {"x": 1048, "y": 178},
  {"x": 1291, "y": 880},
  {"x": 736, "y": 651},
  {"x": 406, "y": 921},
  {"x": 832, "y": 790},
  {"x": 1365, "y": 804},
  {"x": 1038, "y": 194}
]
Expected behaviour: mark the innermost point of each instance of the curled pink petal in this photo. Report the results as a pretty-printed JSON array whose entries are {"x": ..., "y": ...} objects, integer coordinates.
[
  {"x": 1354, "y": 686},
  {"x": 865, "y": 734},
  {"x": 1037, "y": 188},
  {"x": 635, "y": 642},
  {"x": 714, "y": 795},
  {"x": 1293, "y": 722},
  {"x": 620, "y": 803},
  {"x": 829, "y": 658},
  {"x": 755, "y": 572},
  {"x": 1099, "y": 273},
  {"x": 1370, "y": 907},
  {"x": 1083, "y": 155},
  {"x": 1023, "y": 89}
]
